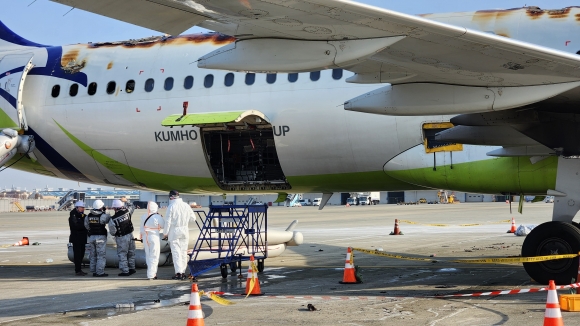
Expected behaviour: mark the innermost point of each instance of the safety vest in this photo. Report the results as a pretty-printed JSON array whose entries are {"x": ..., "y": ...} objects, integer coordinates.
[
  {"x": 95, "y": 226},
  {"x": 123, "y": 222}
]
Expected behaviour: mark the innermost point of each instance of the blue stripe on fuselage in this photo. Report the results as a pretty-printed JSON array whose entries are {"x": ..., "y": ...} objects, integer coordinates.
[
  {"x": 7, "y": 96},
  {"x": 54, "y": 69},
  {"x": 59, "y": 162}
]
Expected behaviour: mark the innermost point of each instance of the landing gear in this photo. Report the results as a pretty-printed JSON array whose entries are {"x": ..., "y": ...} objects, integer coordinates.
[{"x": 553, "y": 238}]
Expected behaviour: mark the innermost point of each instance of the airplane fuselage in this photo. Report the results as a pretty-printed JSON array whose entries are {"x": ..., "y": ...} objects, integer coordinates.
[{"x": 115, "y": 136}]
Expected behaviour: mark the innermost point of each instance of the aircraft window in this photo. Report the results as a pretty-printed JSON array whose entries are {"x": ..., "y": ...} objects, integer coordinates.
[
  {"x": 336, "y": 74},
  {"x": 188, "y": 82},
  {"x": 55, "y": 91},
  {"x": 250, "y": 79},
  {"x": 315, "y": 75},
  {"x": 74, "y": 90},
  {"x": 168, "y": 83},
  {"x": 229, "y": 79},
  {"x": 111, "y": 86},
  {"x": 149, "y": 84},
  {"x": 130, "y": 86},
  {"x": 270, "y": 78},
  {"x": 92, "y": 88},
  {"x": 208, "y": 81},
  {"x": 292, "y": 77}
]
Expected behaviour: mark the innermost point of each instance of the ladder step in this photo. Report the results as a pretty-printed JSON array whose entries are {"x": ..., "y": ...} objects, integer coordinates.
[{"x": 218, "y": 239}]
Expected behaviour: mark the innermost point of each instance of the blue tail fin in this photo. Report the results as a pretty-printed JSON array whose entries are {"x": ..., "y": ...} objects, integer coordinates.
[{"x": 11, "y": 41}]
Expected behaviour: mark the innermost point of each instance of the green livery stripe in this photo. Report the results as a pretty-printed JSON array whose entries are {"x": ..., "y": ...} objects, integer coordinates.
[
  {"x": 153, "y": 180},
  {"x": 503, "y": 174},
  {"x": 6, "y": 121}
]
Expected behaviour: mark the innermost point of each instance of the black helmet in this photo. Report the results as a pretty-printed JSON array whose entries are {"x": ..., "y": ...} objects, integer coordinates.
[{"x": 173, "y": 193}]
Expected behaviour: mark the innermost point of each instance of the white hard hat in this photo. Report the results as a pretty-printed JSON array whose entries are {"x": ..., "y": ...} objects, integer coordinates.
[
  {"x": 80, "y": 203},
  {"x": 117, "y": 204},
  {"x": 98, "y": 204}
]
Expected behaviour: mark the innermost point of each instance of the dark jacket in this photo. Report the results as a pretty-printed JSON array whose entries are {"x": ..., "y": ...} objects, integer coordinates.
[{"x": 76, "y": 222}]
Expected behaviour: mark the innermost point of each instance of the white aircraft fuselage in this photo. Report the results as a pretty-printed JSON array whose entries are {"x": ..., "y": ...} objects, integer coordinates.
[{"x": 115, "y": 137}]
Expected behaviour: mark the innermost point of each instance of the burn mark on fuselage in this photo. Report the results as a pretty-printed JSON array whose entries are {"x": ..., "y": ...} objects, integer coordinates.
[
  {"x": 71, "y": 55},
  {"x": 488, "y": 15},
  {"x": 212, "y": 38},
  {"x": 536, "y": 12}
]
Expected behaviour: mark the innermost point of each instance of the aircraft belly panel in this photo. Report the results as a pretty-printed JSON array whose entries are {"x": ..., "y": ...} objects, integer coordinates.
[{"x": 114, "y": 167}]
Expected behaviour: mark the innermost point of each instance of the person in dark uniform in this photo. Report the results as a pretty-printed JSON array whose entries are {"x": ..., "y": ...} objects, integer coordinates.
[
  {"x": 95, "y": 223},
  {"x": 78, "y": 235},
  {"x": 121, "y": 227}
]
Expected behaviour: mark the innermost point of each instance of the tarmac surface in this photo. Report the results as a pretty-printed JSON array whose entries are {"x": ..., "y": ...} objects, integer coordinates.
[{"x": 38, "y": 285}]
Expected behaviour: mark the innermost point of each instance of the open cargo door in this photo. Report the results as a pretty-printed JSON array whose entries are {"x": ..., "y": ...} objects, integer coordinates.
[{"x": 239, "y": 148}]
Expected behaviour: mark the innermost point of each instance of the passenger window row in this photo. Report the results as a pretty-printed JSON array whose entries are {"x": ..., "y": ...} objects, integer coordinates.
[{"x": 208, "y": 81}]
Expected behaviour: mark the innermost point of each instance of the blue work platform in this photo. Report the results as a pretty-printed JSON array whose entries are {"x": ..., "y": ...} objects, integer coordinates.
[{"x": 230, "y": 234}]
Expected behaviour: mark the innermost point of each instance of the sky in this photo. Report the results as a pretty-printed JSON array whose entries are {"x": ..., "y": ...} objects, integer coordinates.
[{"x": 46, "y": 22}]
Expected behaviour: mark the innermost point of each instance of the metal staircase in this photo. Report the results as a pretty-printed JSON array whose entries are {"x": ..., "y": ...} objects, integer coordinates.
[
  {"x": 66, "y": 200},
  {"x": 294, "y": 199},
  {"x": 230, "y": 234}
]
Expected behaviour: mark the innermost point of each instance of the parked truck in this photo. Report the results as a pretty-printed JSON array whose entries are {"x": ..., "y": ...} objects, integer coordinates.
[{"x": 367, "y": 198}]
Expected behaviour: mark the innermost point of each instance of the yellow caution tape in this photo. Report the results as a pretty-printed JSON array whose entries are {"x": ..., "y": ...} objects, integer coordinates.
[
  {"x": 448, "y": 225},
  {"x": 216, "y": 298},
  {"x": 386, "y": 254},
  {"x": 471, "y": 261},
  {"x": 220, "y": 300},
  {"x": 5, "y": 246},
  {"x": 253, "y": 279},
  {"x": 512, "y": 259}
]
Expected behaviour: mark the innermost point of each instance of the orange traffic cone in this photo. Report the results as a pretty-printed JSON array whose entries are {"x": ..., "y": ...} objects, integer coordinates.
[
  {"x": 396, "y": 231},
  {"x": 23, "y": 242},
  {"x": 513, "y": 229},
  {"x": 253, "y": 274},
  {"x": 349, "y": 276},
  {"x": 195, "y": 315},
  {"x": 553, "y": 315},
  {"x": 347, "y": 205}
]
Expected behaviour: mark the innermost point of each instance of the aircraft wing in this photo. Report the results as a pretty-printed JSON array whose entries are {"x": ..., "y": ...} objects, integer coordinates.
[{"x": 425, "y": 50}]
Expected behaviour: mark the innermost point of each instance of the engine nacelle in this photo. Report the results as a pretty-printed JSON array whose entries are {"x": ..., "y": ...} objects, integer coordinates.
[
  {"x": 472, "y": 170},
  {"x": 12, "y": 143},
  {"x": 439, "y": 99}
]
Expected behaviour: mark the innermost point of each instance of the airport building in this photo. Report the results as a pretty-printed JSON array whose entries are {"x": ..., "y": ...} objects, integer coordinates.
[{"x": 60, "y": 198}]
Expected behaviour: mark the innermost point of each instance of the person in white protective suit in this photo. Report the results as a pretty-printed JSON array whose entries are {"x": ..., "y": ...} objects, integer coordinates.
[
  {"x": 152, "y": 225},
  {"x": 179, "y": 214}
]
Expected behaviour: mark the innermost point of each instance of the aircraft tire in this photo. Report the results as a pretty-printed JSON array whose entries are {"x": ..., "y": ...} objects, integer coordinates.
[
  {"x": 233, "y": 267},
  {"x": 551, "y": 238}
]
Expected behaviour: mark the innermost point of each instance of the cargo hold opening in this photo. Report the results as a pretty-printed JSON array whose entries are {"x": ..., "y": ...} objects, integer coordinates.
[
  {"x": 239, "y": 148},
  {"x": 244, "y": 159}
]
